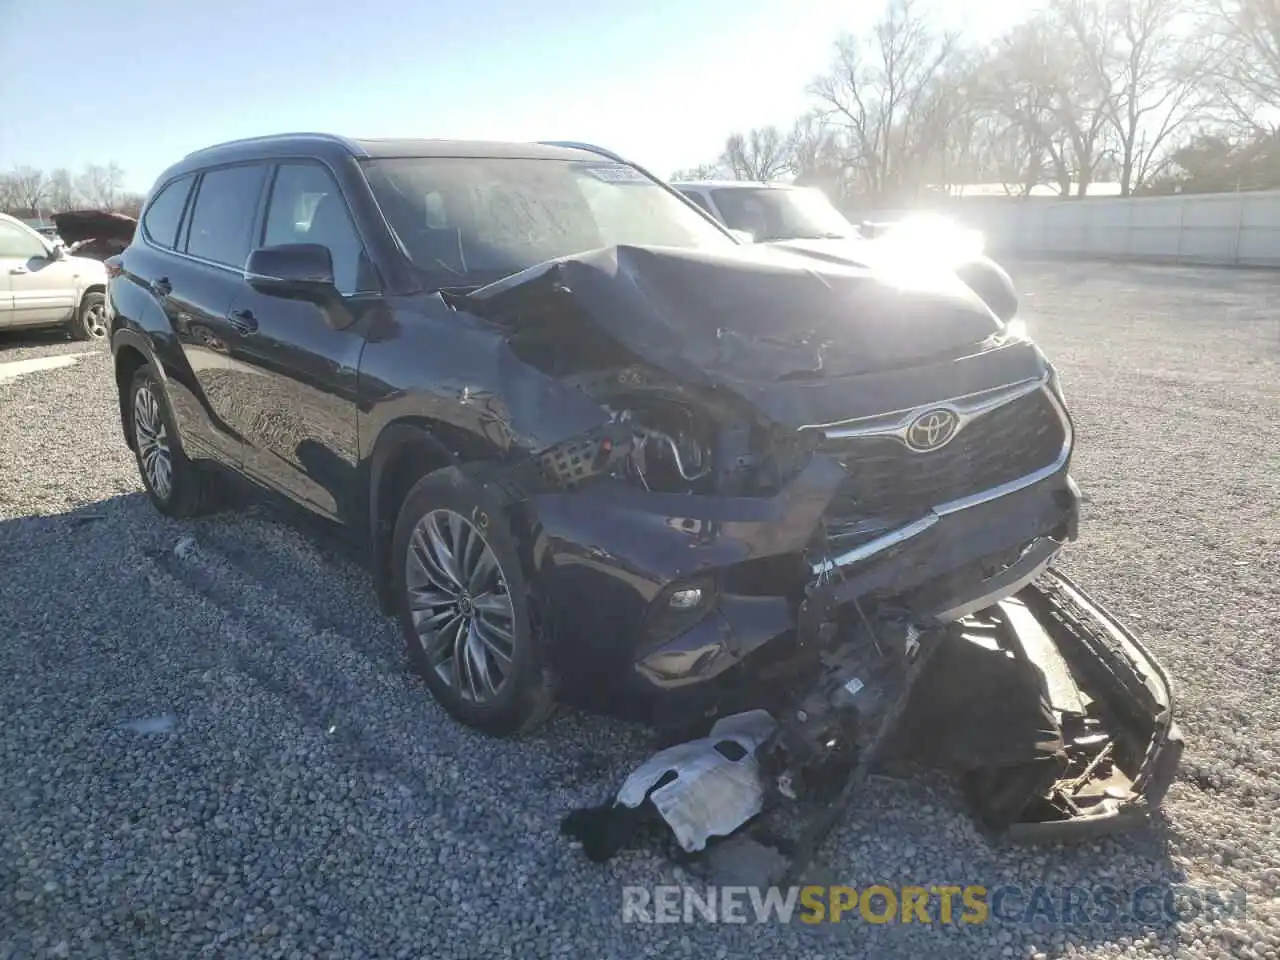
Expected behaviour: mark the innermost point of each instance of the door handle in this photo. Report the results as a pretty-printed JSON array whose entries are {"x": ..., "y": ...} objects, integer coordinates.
[
  {"x": 162, "y": 286},
  {"x": 243, "y": 320},
  {"x": 17, "y": 270}
]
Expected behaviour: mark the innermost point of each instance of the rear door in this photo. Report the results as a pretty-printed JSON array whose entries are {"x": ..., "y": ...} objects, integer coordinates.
[
  {"x": 198, "y": 286},
  {"x": 38, "y": 288},
  {"x": 298, "y": 409}
]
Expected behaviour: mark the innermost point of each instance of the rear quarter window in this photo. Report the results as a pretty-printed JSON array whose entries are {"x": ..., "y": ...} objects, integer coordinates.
[{"x": 164, "y": 213}]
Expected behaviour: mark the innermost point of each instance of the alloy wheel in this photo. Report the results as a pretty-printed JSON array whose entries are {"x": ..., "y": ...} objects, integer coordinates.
[
  {"x": 152, "y": 440},
  {"x": 461, "y": 608},
  {"x": 95, "y": 320}
]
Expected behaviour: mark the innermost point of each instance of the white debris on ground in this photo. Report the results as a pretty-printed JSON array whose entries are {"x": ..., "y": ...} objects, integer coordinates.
[
  {"x": 151, "y": 725},
  {"x": 709, "y": 791},
  {"x": 314, "y": 802}
]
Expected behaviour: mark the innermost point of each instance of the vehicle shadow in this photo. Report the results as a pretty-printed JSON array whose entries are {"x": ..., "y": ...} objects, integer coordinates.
[
  {"x": 33, "y": 337},
  {"x": 190, "y": 618}
]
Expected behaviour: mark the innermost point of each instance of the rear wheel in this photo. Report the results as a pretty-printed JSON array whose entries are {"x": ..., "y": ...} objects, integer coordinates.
[
  {"x": 90, "y": 321},
  {"x": 177, "y": 486},
  {"x": 464, "y": 608}
]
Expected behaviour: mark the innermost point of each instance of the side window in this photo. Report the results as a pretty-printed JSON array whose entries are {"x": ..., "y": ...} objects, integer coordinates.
[
  {"x": 223, "y": 218},
  {"x": 699, "y": 199},
  {"x": 165, "y": 211},
  {"x": 307, "y": 207},
  {"x": 18, "y": 244}
]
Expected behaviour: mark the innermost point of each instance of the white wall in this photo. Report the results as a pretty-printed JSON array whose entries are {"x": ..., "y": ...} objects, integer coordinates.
[{"x": 1225, "y": 228}]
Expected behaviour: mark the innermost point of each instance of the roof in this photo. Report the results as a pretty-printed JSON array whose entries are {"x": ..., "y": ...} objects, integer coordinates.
[
  {"x": 336, "y": 149},
  {"x": 373, "y": 148},
  {"x": 730, "y": 184}
]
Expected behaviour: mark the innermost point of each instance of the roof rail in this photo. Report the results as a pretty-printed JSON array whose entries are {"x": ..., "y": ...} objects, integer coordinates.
[
  {"x": 589, "y": 147},
  {"x": 332, "y": 137}
]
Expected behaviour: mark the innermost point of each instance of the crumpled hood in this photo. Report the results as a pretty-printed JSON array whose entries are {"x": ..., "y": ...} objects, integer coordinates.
[
  {"x": 786, "y": 332},
  {"x": 855, "y": 250},
  {"x": 105, "y": 225}
]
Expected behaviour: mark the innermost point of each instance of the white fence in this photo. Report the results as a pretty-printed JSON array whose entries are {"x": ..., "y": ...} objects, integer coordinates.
[{"x": 1224, "y": 228}]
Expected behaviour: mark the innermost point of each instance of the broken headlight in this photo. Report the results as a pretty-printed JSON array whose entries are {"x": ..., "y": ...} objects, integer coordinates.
[{"x": 671, "y": 446}]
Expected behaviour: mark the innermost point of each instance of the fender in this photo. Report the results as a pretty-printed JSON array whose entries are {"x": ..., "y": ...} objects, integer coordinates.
[
  {"x": 128, "y": 336},
  {"x": 394, "y": 437},
  {"x": 391, "y": 440},
  {"x": 992, "y": 283}
]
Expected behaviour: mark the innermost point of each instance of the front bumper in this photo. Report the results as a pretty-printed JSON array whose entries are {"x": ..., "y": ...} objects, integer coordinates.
[
  {"x": 1147, "y": 702},
  {"x": 626, "y": 550}
]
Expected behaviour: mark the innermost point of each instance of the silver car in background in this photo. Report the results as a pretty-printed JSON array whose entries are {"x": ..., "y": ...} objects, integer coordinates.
[{"x": 41, "y": 285}]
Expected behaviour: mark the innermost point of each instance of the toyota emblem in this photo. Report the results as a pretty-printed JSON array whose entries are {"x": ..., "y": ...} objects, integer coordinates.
[{"x": 932, "y": 430}]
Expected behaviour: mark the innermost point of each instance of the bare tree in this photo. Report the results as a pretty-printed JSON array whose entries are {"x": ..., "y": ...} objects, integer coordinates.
[
  {"x": 815, "y": 154},
  {"x": 1019, "y": 85},
  {"x": 1248, "y": 73},
  {"x": 100, "y": 185},
  {"x": 763, "y": 153},
  {"x": 1149, "y": 70},
  {"x": 881, "y": 93},
  {"x": 703, "y": 171},
  {"x": 7, "y": 203},
  {"x": 27, "y": 189},
  {"x": 130, "y": 204},
  {"x": 62, "y": 191}
]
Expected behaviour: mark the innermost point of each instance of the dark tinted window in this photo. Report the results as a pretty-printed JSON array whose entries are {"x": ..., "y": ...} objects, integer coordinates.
[
  {"x": 223, "y": 218},
  {"x": 162, "y": 216},
  {"x": 306, "y": 207}
]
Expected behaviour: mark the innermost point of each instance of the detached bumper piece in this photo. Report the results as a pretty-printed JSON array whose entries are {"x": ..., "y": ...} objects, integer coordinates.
[{"x": 1057, "y": 720}]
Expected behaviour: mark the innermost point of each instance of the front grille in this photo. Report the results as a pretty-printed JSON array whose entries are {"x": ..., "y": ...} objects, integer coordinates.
[{"x": 887, "y": 479}]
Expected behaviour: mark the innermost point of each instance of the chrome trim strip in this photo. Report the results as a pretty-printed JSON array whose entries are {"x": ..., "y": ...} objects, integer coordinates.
[
  {"x": 903, "y": 533},
  {"x": 897, "y": 422},
  {"x": 877, "y": 545}
]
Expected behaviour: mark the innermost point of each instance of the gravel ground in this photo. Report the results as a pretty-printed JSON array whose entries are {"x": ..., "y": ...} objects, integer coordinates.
[{"x": 219, "y": 751}]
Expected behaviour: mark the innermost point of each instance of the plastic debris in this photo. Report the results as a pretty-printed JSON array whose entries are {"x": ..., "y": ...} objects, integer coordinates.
[{"x": 151, "y": 725}]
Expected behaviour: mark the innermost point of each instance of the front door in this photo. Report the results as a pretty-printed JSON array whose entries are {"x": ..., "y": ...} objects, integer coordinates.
[
  {"x": 299, "y": 411},
  {"x": 42, "y": 287}
]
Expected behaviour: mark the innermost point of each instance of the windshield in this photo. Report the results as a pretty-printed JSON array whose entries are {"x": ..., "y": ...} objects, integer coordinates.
[
  {"x": 772, "y": 213},
  {"x": 467, "y": 220}
]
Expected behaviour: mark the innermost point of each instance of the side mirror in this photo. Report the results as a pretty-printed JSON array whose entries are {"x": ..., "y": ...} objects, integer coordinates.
[
  {"x": 743, "y": 236},
  {"x": 57, "y": 252},
  {"x": 302, "y": 271}
]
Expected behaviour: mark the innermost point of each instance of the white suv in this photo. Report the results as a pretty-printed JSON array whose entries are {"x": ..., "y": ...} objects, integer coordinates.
[{"x": 41, "y": 285}]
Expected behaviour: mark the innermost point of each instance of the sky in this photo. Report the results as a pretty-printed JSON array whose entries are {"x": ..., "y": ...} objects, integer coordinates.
[{"x": 662, "y": 82}]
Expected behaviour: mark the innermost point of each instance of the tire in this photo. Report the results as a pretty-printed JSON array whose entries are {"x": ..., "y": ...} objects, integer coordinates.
[
  {"x": 483, "y": 663},
  {"x": 90, "y": 321},
  {"x": 184, "y": 490}
]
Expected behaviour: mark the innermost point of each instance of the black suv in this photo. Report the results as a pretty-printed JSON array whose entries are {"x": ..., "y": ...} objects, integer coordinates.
[{"x": 590, "y": 441}]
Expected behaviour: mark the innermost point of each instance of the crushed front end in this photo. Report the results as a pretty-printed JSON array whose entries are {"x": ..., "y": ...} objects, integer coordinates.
[
  {"x": 690, "y": 580},
  {"x": 803, "y": 486}
]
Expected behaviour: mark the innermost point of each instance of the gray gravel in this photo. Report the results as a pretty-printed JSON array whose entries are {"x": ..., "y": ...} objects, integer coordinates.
[{"x": 218, "y": 751}]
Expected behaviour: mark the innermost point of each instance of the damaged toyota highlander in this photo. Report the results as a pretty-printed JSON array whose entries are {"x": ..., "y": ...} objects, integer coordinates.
[{"x": 597, "y": 449}]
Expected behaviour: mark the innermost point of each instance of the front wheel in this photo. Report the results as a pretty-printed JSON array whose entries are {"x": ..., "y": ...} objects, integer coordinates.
[
  {"x": 464, "y": 608},
  {"x": 90, "y": 321},
  {"x": 176, "y": 486}
]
